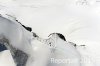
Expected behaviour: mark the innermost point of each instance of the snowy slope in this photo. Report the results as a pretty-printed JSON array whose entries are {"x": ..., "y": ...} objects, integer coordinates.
[
  {"x": 74, "y": 21},
  {"x": 79, "y": 23},
  {"x": 6, "y": 59},
  {"x": 48, "y": 16}
]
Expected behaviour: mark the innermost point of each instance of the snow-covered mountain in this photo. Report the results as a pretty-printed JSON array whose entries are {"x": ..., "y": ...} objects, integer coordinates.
[{"x": 78, "y": 20}]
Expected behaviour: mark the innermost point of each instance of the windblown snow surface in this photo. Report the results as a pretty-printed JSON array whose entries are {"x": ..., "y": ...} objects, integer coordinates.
[{"x": 79, "y": 21}]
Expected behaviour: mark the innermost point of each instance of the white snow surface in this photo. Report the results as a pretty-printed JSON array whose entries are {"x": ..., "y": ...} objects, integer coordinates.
[
  {"x": 45, "y": 55},
  {"x": 79, "y": 23},
  {"x": 6, "y": 59}
]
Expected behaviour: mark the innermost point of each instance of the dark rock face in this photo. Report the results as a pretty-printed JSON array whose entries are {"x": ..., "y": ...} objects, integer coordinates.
[
  {"x": 35, "y": 35},
  {"x": 2, "y": 47},
  {"x": 27, "y": 28},
  {"x": 61, "y": 36},
  {"x": 2, "y": 44},
  {"x": 19, "y": 57}
]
